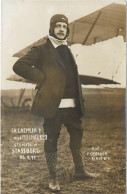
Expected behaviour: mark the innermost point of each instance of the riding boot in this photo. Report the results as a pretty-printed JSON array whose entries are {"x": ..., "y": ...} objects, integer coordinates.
[
  {"x": 80, "y": 173},
  {"x": 51, "y": 159}
]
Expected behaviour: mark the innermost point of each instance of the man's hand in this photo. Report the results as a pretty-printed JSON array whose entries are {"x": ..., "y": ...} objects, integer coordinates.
[{"x": 38, "y": 86}]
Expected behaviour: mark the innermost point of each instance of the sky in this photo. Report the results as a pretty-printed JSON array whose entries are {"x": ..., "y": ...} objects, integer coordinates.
[{"x": 26, "y": 21}]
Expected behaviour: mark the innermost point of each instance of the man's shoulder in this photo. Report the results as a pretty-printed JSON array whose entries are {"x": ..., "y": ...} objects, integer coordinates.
[
  {"x": 43, "y": 45},
  {"x": 40, "y": 46}
]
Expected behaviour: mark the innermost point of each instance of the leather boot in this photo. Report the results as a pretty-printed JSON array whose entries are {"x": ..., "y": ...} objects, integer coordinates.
[
  {"x": 80, "y": 173},
  {"x": 51, "y": 159}
]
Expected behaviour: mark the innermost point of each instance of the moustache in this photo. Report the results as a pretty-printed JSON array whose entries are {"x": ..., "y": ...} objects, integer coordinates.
[{"x": 60, "y": 33}]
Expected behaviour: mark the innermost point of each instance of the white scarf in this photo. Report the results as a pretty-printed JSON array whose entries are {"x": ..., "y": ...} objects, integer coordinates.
[{"x": 57, "y": 42}]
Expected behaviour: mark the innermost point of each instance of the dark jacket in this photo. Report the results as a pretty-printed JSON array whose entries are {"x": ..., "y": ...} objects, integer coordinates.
[{"x": 43, "y": 65}]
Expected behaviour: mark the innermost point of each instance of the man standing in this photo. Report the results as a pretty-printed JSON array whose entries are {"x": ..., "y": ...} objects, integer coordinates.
[{"x": 59, "y": 99}]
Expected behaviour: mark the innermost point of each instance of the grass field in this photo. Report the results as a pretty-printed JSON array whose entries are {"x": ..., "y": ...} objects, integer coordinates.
[{"x": 104, "y": 129}]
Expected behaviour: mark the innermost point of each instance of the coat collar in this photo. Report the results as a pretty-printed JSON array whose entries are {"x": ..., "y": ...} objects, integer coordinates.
[{"x": 54, "y": 54}]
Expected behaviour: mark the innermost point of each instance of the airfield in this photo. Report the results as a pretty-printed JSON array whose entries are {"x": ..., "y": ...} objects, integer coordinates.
[{"x": 103, "y": 146}]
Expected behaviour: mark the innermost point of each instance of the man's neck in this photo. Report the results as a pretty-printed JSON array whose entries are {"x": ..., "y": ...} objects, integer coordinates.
[{"x": 57, "y": 42}]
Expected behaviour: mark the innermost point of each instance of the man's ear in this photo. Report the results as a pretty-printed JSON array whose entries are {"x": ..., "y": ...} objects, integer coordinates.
[{"x": 68, "y": 31}]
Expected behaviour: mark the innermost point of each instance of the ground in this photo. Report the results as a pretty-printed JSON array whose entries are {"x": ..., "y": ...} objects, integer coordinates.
[{"x": 104, "y": 134}]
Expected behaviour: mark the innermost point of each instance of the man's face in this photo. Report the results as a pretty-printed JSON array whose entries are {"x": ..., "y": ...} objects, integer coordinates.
[{"x": 60, "y": 30}]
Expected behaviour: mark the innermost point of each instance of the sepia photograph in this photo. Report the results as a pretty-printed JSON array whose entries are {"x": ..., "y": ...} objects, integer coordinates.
[{"x": 63, "y": 96}]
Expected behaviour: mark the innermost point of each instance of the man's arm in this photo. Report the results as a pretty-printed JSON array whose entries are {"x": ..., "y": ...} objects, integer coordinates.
[{"x": 26, "y": 66}]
